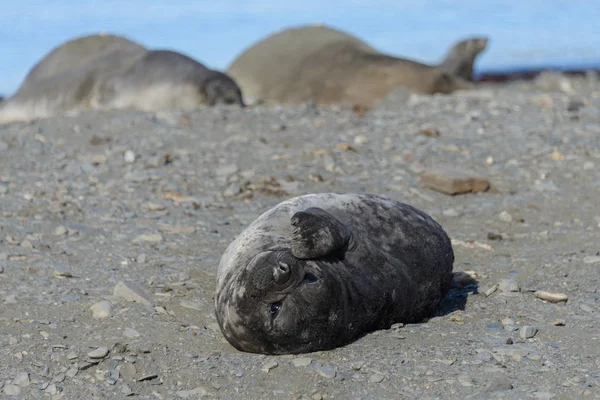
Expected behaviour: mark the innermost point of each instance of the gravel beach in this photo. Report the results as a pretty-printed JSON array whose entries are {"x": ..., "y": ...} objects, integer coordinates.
[{"x": 112, "y": 225}]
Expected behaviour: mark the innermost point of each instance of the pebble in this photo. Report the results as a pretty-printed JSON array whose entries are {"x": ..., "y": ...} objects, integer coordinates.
[
  {"x": 26, "y": 244},
  {"x": 10, "y": 299},
  {"x": 102, "y": 309},
  {"x": 51, "y": 389},
  {"x": 127, "y": 371},
  {"x": 148, "y": 238},
  {"x": 500, "y": 384},
  {"x": 60, "y": 231},
  {"x": 126, "y": 390},
  {"x": 505, "y": 216},
  {"x": 591, "y": 259},
  {"x": 22, "y": 380},
  {"x": 140, "y": 259},
  {"x": 193, "y": 393},
  {"x": 452, "y": 181},
  {"x": 527, "y": 332},
  {"x": 60, "y": 271},
  {"x": 133, "y": 292},
  {"x": 269, "y": 366},
  {"x": 376, "y": 378},
  {"x": 551, "y": 297},
  {"x": 131, "y": 333},
  {"x": 506, "y": 285},
  {"x": 301, "y": 362},
  {"x": 451, "y": 212},
  {"x": 71, "y": 372},
  {"x": 3, "y": 189},
  {"x": 544, "y": 395},
  {"x": 491, "y": 290},
  {"x": 100, "y": 352},
  {"x": 12, "y": 390},
  {"x": 327, "y": 372},
  {"x": 129, "y": 157}
]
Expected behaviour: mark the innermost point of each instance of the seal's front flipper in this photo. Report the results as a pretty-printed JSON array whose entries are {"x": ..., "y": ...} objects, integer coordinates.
[{"x": 317, "y": 234}]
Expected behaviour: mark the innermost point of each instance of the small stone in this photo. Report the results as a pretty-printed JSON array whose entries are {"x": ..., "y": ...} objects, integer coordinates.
[
  {"x": 491, "y": 290},
  {"x": 429, "y": 132},
  {"x": 26, "y": 244},
  {"x": 233, "y": 189},
  {"x": 317, "y": 396},
  {"x": 140, "y": 259},
  {"x": 101, "y": 310},
  {"x": 71, "y": 372},
  {"x": 558, "y": 322},
  {"x": 452, "y": 181},
  {"x": 3, "y": 188},
  {"x": 376, "y": 378},
  {"x": 12, "y": 390},
  {"x": 327, "y": 372},
  {"x": 360, "y": 139},
  {"x": 500, "y": 384},
  {"x": 10, "y": 299},
  {"x": 155, "y": 207},
  {"x": 544, "y": 395},
  {"x": 97, "y": 159},
  {"x": 129, "y": 157},
  {"x": 131, "y": 333},
  {"x": 586, "y": 308},
  {"x": 60, "y": 272},
  {"x": 111, "y": 381},
  {"x": 51, "y": 389},
  {"x": 494, "y": 236},
  {"x": 527, "y": 332},
  {"x": 126, "y": 390},
  {"x": 489, "y": 161},
  {"x": 301, "y": 362},
  {"x": 133, "y": 292},
  {"x": 22, "y": 380},
  {"x": 60, "y": 231},
  {"x": 551, "y": 297},
  {"x": 71, "y": 355},
  {"x": 269, "y": 366},
  {"x": 148, "y": 238},
  {"x": 505, "y": 216},
  {"x": 451, "y": 212},
  {"x": 508, "y": 285},
  {"x": 100, "y": 352},
  {"x": 193, "y": 393},
  {"x": 588, "y": 165},
  {"x": 59, "y": 378},
  {"x": 127, "y": 371},
  {"x": 591, "y": 259}
]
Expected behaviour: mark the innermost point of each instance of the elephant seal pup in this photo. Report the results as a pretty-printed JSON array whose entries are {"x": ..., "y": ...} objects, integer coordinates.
[
  {"x": 318, "y": 271},
  {"x": 149, "y": 81},
  {"x": 75, "y": 53},
  {"x": 323, "y": 65},
  {"x": 461, "y": 58}
]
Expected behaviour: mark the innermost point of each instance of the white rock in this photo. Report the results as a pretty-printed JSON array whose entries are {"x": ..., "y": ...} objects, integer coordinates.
[
  {"x": 129, "y": 156},
  {"x": 591, "y": 259},
  {"x": 100, "y": 352},
  {"x": 101, "y": 310},
  {"x": 505, "y": 216}
]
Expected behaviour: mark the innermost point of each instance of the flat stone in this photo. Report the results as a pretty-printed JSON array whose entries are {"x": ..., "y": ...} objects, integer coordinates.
[
  {"x": 126, "y": 390},
  {"x": 268, "y": 366},
  {"x": 452, "y": 181},
  {"x": 133, "y": 292},
  {"x": 500, "y": 384},
  {"x": 127, "y": 371},
  {"x": 193, "y": 393},
  {"x": 60, "y": 231},
  {"x": 544, "y": 395},
  {"x": 101, "y": 310},
  {"x": 527, "y": 331},
  {"x": 148, "y": 238},
  {"x": 327, "y": 372},
  {"x": 508, "y": 285},
  {"x": 591, "y": 259},
  {"x": 12, "y": 390},
  {"x": 301, "y": 362},
  {"x": 551, "y": 297},
  {"x": 22, "y": 380},
  {"x": 131, "y": 333},
  {"x": 505, "y": 216},
  {"x": 376, "y": 378},
  {"x": 100, "y": 352}
]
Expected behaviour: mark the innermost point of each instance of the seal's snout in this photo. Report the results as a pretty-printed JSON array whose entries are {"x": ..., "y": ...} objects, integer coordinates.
[{"x": 281, "y": 273}]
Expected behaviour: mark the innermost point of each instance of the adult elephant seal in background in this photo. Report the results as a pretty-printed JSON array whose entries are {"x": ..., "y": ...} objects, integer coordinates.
[
  {"x": 76, "y": 53},
  {"x": 460, "y": 59},
  {"x": 320, "y": 270},
  {"x": 323, "y": 65},
  {"x": 124, "y": 77}
]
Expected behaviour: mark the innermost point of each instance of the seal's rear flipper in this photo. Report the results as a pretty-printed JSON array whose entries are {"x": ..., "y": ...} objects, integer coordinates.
[{"x": 317, "y": 234}]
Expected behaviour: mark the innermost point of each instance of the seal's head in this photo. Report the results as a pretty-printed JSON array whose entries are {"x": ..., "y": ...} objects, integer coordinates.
[
  {"x": 280, "y": 304},
  {"x": 292, "y": 299},
  {"x": 221, "y": 89}
]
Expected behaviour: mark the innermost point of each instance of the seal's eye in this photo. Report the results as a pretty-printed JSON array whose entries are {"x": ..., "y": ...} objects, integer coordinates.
[
  {"x": 274, "y": 308},
  {"x": 309, "y": 278}
]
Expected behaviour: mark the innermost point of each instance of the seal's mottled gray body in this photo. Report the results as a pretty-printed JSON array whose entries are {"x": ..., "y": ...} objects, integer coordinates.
[
  {"x": 108, "y": 72},
  {"x": 319, "y": 270}
]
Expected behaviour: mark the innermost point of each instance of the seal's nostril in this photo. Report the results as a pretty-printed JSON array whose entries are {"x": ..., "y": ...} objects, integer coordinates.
[{"x": 281, "y": 273}]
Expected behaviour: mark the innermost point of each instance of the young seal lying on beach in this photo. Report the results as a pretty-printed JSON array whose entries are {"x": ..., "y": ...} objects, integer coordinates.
[
  {"x": 108, "y": 72},
  {"x": 323, "y": 65},
  {"x": 320, "y": 270}
]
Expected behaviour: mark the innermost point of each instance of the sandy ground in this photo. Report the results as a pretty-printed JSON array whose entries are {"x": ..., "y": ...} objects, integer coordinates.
[{"x": 151, "y": 201}]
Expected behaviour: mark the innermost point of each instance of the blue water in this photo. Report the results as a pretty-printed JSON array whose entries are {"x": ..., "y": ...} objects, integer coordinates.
[{"x": 525, "y": 33}]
